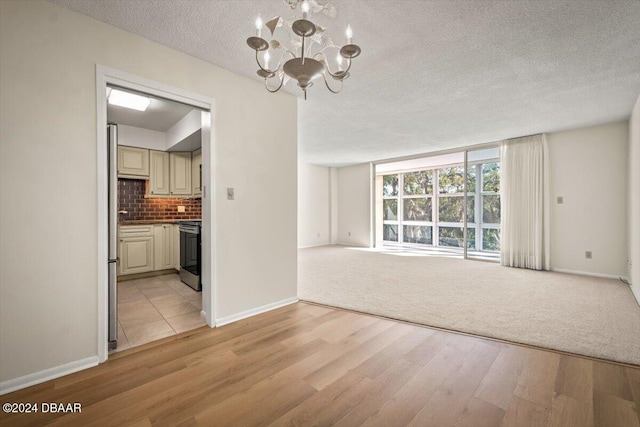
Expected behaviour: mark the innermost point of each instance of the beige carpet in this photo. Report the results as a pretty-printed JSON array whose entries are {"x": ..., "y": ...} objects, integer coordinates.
[{"x": 578, "y": 314}]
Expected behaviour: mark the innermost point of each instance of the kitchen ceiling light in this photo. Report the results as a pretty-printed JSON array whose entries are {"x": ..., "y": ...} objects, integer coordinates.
[
  {"x": 305, "y": 56},
  {"x": 128, "y": 100}
]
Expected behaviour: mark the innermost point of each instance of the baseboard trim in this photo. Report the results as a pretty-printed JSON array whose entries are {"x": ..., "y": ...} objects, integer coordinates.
[
  {"x": 586, "y": 273},
  {"x": 47, "y": 374},
  {"x": 254, "y": 311},
  {"x": 354, "y": 245},
  {"x": 635, "y": 294},
  {"x": 314, "y": 246},
  {"x": 146, "y": 274},
  {"x": 203, "y": 315}
]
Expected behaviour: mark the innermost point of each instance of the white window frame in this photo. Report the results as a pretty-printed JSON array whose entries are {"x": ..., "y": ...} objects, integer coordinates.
[
  {"x": 395, "y": 222},
  {"x": 478, "y": 225},
  {"x": 479, "y": 207},
  {"x": 402, "y": 222}
]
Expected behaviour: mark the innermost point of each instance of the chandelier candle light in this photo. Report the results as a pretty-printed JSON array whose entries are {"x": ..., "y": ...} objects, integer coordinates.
[{"x": 298, "y": 62}]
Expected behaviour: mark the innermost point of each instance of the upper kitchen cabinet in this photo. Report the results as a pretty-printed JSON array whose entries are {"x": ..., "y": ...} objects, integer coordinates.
[
  {"x": 159, "y": 173},
  {"x": 196, "y": 172},
  {"x": 133, "y": 162},
  {"x": 180, "y": 173}
]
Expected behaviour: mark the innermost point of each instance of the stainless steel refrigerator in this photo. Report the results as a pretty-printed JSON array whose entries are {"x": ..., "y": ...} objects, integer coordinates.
[{"x": 112, "y": 140}]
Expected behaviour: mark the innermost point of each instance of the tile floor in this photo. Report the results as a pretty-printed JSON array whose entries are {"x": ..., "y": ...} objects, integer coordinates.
[{"x": 154, "y": 308}]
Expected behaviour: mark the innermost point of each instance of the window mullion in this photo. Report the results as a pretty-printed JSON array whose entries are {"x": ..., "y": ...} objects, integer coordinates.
[
  {"x": 435, "y": 206},
  {"x": 478, "y": 207},
  {"x": 400, "y": 207}
]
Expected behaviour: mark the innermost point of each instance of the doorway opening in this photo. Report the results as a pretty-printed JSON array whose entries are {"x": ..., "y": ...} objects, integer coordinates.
[{"x": 156, "y": 234}]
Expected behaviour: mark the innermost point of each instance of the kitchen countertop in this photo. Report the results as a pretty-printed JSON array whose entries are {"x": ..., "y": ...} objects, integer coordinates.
[{"x": 153, "y": 221}]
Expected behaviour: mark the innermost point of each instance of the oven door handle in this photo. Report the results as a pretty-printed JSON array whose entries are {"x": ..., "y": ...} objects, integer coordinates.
[{"x": 190, "y": 230}]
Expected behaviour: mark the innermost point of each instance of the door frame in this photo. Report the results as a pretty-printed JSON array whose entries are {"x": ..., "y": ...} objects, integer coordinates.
[{"x": 104, "y": 76}]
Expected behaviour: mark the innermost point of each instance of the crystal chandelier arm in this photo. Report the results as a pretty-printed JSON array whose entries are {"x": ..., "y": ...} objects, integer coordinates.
[{"x": 329, "y": 87}]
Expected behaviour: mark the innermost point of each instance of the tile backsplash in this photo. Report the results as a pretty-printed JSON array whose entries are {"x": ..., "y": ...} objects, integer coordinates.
[{"x": 131, "y": 198}]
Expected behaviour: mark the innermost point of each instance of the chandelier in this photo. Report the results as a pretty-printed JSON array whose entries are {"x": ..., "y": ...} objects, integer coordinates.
[{"x": 305, "y": 54}]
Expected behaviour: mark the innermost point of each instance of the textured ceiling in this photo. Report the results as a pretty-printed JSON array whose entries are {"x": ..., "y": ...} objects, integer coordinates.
[{"x": 433, "y": 74}]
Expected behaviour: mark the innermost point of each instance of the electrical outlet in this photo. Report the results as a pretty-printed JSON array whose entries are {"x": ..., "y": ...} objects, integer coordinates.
[
  {"x": 560, "y": 200},
  {"x": 588, "y": 255},
  {"x": 231, "y": 194},
  {"x": 181, "y": 209},
  {"x": 349, "y": 233}
]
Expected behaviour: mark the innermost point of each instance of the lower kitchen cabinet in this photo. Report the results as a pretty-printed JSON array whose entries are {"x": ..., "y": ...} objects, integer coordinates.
[
  {"x": 163, "y": 246},
  {"x": 176, "y": 247},
  {"x": 145, "y": 248},
  {"x": 136, "y": 255}
]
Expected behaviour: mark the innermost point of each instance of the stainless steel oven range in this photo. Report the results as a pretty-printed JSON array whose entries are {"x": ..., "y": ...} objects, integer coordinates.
[{"x": 190, "y": 253}]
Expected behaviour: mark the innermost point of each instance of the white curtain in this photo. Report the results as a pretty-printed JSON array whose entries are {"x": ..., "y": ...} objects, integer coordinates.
[{"x": 524, "y": 202}]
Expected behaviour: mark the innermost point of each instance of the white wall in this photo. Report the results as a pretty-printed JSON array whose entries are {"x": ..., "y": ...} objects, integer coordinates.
[
  {"x": 48, "y": 243},
  {"x": 314, "y": 223},
  {"x": 354, "y": 205},
  {"x": 143, "y": 138},
  {"x": 634, "y": 201},
  {"x": 188, "y": 125},
  {"x": 333, "y": 203},
  {"x": 588, "y": 168}
]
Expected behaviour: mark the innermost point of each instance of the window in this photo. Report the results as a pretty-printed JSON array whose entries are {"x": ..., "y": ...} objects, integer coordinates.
[
  {"x": 427, "y": 207},
  {"x": 483, "y": 219},
  {"x": 490, "y": 195},
  {"x": 390, "y": 208}
]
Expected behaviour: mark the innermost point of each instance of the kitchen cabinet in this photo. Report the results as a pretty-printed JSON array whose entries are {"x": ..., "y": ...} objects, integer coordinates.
[
  {"x": 176, "y": 247},
  {"x": 163, "y": 246},
  {"x": 135, "y": 249},
  {"x": 144, "y": 248},
  {"x": 133, "y": 162},
  {"x": 159, "y": 173},
  {"x": 196, "y": 172},
  {"x": 136, "y": 255},
  {"x": 180, "y": 173},
  {"x": 175, "y": 174}
]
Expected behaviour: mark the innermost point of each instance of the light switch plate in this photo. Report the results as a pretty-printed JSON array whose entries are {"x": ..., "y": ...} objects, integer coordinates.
[
  {"x": 231, "y": 194},
  {"x": 181, "y": 209}
]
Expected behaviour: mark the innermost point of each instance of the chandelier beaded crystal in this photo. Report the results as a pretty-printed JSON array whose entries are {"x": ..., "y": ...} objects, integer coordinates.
[{"x": 305, "y": 55}]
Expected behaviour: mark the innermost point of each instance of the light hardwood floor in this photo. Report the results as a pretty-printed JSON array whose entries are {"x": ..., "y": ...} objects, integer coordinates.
[{"x": 311, "y": 365}]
